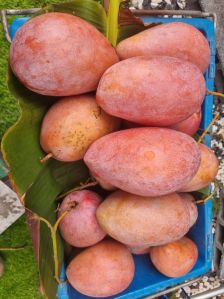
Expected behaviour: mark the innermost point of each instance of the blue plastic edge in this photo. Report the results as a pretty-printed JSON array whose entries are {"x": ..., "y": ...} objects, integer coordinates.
[
  {"x": 16, "y": 24},
  {"x": 207, "y": 27}
]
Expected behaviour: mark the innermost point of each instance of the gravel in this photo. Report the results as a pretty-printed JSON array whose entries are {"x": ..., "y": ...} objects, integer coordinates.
[
  {"x": 205, "y": 284},
  {"x": 218, "y": 138},
  {"x": 217, "y": 133},
  {"x": 159, "y": 4}
]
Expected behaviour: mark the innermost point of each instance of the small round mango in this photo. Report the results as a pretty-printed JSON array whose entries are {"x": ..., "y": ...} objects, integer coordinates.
[
  {"x": 79, "y": 227},
  {"x": 175, "y": 259}
]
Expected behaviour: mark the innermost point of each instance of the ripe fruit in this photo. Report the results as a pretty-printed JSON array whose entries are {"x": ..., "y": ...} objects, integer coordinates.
[
  {"x": 157, "y": 91},
  {"x": 144, "y": 221},
  {"x": 59, "y": 54},
  {"x": 138, "y": 250},
  {"x": 72, "y": 124},
  {"x": 206, "y": 173},
  {"x": 176, "y": 39},
  {"x": 175, "y": 259},
  {"x": 103, "y": 184},
  {"x": 102, "y": 270},
  {"x": 144, "y": 161},
  {"x": 80, "y": 227},
  {"x": 190, "y": 125},
  {"x": 190, "y": 201}
]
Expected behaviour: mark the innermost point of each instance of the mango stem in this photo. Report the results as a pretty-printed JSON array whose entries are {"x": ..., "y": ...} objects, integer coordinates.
[
  {"x": 45, "y": 158},
  {"x": 208, "y": 127},
  {"x": 72, "y": 206},
  {"x": 211, "y": 195},
  {"x": 214, "y": 93},
  {"x": 81, "y": 187}
]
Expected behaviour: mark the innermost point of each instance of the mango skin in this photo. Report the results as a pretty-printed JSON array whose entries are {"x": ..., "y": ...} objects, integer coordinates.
[
  {"x": 207, "y": 170},
  {"x": 144, "y": 161},
  {"x": 58, "y": 54},
  {"x": 102, "y": 270},
  {"x": 157, "y": 91},
  {"x": 190, "y": 125},
  {"x": 174, "y": 39},
  {"x": 79, "y": 227},
  {"x": 144, "y": 221},
  {"x": 139, "y": 250},
  {"x": 190, "y": 201},
  {"x": 175, "y": 259},
  {"x": 72, "y": 124}
]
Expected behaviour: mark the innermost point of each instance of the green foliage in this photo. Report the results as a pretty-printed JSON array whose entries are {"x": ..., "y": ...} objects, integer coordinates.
[
  {"x": 20, "y": 279},
  {"x": 91, "y": 11},
  {"x": 9, "y": 108},
  {"x": 41, "y": 183},
  {"x": 25, "y": 135},
  {"x": 54, "y": 178}
]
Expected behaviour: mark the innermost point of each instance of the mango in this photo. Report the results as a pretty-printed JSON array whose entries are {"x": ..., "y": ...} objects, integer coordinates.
[
  {"x": 102, "y": 270},
  {"x": 175, "y": 259},
  {"x": 79, "y": 227},
  {"x": 72, "y": 124},
  {"x": 58, "y": 54},
  {"x": 176, "y": 39},
  {"x": 206, "y": 173},
  {"x": 144, "y": 161},
  {"x": 144, "y": 221},
  {"x": 157, "y": 91}
]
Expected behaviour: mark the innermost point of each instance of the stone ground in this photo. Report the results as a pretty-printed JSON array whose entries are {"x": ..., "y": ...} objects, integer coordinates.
[
  {"x": 10, "y": 207},
  {"x": 217, "y": 6}
]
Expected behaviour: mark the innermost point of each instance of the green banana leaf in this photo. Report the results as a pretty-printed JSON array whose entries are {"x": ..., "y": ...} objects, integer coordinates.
[
  {"x": 89, "y": 10},
  {"x": 122, "y": 25},
  {"x": 54, "y": 178},
  {"x": 20, "y": 145},
  {"x": 41, "y": 184}
]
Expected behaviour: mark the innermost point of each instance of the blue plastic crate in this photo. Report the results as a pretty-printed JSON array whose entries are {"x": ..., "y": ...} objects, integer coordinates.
[{"x": 147, "y": 279}]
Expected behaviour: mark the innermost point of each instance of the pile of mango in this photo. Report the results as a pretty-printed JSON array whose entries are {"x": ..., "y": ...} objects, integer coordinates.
[{"x": 130, "y": 113}]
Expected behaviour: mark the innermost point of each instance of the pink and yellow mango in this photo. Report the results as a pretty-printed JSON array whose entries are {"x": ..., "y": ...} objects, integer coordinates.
[
  {"x": 175, "y": 259},
  {"x": 144, "y": 161},
  {"x": 176, "y": 39},
  {"x": 192, "y": 207},
  {"x": 72, "y": 124},
  {"x": 157, "y": 91},
  {"x": 142, "y": 222},
  {"x": 206, "y": 173},
  {"x": 190, "y": 125},
  {"x": 59, "y": 54},
  {"x": 102, "y": 270}
]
